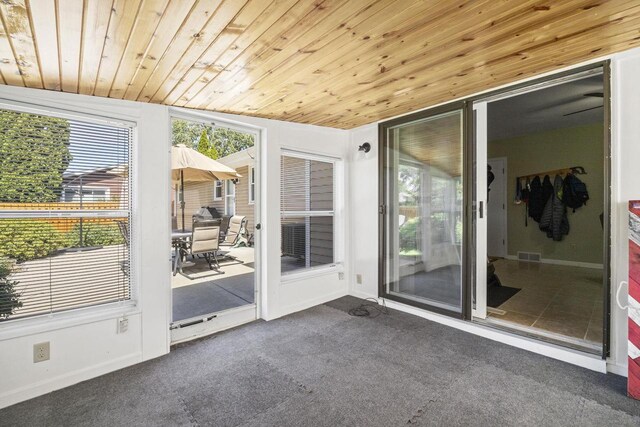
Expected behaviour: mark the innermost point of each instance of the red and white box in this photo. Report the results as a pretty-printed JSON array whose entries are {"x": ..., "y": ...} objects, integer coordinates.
[{"x": 633, "y": 386}]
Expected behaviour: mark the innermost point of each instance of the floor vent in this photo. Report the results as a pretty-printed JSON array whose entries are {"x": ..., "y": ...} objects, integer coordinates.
[{"x": 529, "y": 256}]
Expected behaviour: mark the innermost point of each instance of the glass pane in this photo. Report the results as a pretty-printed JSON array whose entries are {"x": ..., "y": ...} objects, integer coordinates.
[
  {"x": 424, "y": 205},
  {"x": 307, "y": 241},
  {"x": 306, "y": 185},
  {"x": 49, "y": 265}
]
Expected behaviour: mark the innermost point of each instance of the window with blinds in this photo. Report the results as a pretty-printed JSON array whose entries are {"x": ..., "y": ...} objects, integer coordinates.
[
  {"x": 307, "y": 212},
  {"x": 65, "y": 211}
]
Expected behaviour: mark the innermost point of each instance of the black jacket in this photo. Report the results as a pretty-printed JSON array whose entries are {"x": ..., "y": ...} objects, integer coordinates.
[
  {"x": 554, "y": 216},
  {"x": 536, "y": 199}
]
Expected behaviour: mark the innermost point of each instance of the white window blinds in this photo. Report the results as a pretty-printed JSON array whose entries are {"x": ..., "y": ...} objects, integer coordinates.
[
  {"x": 307, "y": 212},
  {"x": 65, "y": 192}
]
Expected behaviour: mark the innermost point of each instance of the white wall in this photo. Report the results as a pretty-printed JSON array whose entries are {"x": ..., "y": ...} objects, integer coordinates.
[
  {"x": 86, "y": 345},
  {"x": 625, "y": 186}
]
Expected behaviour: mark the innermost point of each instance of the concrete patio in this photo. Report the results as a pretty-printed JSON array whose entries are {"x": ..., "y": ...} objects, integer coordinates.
[{"x": 199, "y": 291}]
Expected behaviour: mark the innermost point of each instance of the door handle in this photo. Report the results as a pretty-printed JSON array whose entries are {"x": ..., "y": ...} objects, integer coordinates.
[
  {"x": 258, "y": 226},
  {"x": 481, "y": 209},
  {"x": 621, "y": 305}
]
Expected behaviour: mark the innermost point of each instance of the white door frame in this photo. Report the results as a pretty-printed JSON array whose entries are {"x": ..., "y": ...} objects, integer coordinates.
[
  {"x": 216, "y": 322},
  {"x": 479, "y": 310},
  {"x": 503, "y": 190}
]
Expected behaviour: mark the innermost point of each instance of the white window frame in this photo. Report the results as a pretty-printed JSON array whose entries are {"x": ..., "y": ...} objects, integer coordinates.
[
  {"x": 251, "y": 190},
  {"x": 336, "y": 266},
  {"x": 218, "y": 185},
  {"x": 86, "y": 188},
  {"x": 15, "y": 328},
  {"x": 229, "y": 197}
]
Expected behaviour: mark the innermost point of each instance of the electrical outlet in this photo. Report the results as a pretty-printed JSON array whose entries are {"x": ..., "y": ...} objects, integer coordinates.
[
  {"x": 359, "y": 279},
  {"x": 340, "y": 276},
  {"x": 123, "y": 325},
  {"x": 41, "y": 352}
]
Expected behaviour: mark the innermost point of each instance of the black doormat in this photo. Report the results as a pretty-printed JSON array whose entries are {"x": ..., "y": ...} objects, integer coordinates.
[{"x": 498, "y": 295}]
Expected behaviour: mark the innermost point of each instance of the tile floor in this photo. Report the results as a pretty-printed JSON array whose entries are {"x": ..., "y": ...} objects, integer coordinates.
[{"x": 554, "y": 298}]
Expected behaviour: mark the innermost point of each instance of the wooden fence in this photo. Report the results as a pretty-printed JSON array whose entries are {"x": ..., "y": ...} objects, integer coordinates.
[
  {"x": 408, "y": 211},
  {"x": 64, "y": 224}
]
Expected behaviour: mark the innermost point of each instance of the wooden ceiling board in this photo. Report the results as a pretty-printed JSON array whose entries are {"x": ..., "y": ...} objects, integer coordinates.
[
  {"x": 124, "y": 14},
  {"x": 70, "y": 23},
  {"x": 180, "y": 62},
  {"x": 402, "y": 74},
  {"x": 233, "y": 60},
  {"x": 45, "y": 34},
  {"x": 17, "y": 25},
  {"x": 495, "y": 73},
  {"x": 436, "y": 141},
  {"x": 222, "y": 53},
  {"x": 317, "y": 32},
  {"x": 97, "y": 15},
  {"x": 143, "y": 34},
  {"x": 339, "y": 63},
  {"x": 313, "y": 68}
]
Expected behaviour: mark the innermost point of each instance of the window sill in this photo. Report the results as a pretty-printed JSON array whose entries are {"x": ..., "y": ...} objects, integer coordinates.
[
  {"x": 312, "y": 272},
  {"x": 10, "y": 329}
]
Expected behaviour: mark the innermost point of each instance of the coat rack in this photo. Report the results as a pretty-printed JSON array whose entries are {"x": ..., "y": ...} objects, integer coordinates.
[{"x": 576, "y": 170}]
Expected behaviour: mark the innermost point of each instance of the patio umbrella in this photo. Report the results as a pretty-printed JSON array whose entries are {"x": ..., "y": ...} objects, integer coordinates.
[{"x": 188, "y": 165}]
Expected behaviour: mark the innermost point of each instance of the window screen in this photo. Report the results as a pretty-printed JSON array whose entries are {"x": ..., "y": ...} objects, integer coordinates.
[
  {"x": 307, "y": 213},
  {"x": 64, "y": 214}
]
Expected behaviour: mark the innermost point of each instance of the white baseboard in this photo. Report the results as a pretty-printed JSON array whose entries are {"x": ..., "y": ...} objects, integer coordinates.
[
  {"x": 294, "y": 308},
  {"x": 361, "y": 294},
  {"x": 56, "y": 383},
  {"x": 560, "y": 262},
  {"x": 573, "y": 357},
  {"x": 618, "y": 369}
]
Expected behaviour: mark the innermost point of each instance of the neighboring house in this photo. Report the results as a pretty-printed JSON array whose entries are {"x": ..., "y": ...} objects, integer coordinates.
[
  {"x": 227, "y": 197},
  {"x": 99, "y": 185}
]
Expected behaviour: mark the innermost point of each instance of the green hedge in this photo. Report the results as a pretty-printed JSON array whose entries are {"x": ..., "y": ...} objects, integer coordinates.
[
  {"x": 27, "y": 239},
  {"x": 409, "y": 235},
  {"x": 95, "y": 234},
  {"x": 9, "y": 298}
]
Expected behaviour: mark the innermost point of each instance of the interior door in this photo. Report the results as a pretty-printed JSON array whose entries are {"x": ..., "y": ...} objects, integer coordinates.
[
  {"x": 479, "y": 309},
  {"x": 496, "y": 209},
  {"x": 423, "y": 220}
]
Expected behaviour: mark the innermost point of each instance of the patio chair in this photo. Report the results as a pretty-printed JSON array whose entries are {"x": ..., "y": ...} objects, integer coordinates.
[
  {"x": 236, "y": 236},
  {"x": 123, "y": 226},
  {"x": 237, "y": 232},
  {"x": 204, "y": 241}
]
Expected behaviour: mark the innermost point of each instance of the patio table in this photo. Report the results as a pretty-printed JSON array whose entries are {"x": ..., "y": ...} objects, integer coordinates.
[{"x": 178, "y": 239}]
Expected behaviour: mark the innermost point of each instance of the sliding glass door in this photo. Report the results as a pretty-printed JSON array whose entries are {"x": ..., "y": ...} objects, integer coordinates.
[{"x": 422, "y": 210}]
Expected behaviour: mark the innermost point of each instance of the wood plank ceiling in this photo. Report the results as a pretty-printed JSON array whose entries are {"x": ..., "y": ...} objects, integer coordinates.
[{"x": 340, "y": 63}]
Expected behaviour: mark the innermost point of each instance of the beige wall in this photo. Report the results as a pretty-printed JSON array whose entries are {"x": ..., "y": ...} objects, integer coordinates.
[
  {"x": 580, "y": 146},
  {"x": 242, "y": 198},
  {"x": 201, "y": 194},
  {"x": 196, "y": 195}
]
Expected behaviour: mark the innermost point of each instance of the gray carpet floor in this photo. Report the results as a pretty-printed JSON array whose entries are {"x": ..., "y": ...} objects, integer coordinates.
[{"x": 321, "y": 367}]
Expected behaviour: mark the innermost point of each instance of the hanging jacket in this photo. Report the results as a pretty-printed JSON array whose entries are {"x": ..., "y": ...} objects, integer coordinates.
[
  {"x": 554, "y": 219},
  {"x": 547, "y": 189},
  {"x": 526, "y": 191},
  {"x": 518, "y": 197},
  {"x": 536, "y": 201}
]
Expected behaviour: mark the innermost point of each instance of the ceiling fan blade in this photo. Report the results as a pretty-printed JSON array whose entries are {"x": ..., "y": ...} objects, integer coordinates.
[
  {"x": 595, "y": 94},
  {"x": 582, "y": 111}
]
